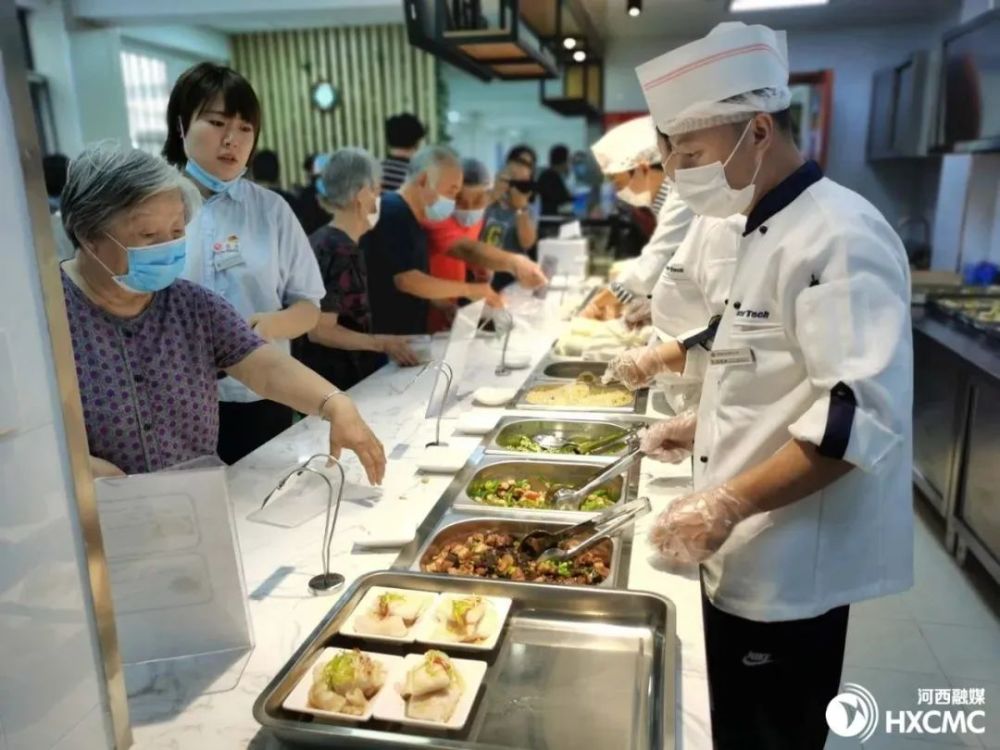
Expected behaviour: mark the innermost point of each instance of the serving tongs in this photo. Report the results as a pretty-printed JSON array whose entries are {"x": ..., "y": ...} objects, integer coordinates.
[
  {"x": 544, "y": 545},
  {"x": 570, "y": 499},
  {"x": 554, "y": 443}
]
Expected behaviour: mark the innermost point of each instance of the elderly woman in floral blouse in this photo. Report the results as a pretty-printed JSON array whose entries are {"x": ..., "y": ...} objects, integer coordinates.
[{"x": 148, "y": 346}]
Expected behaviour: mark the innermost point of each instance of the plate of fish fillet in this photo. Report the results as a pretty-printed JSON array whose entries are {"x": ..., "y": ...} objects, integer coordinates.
[
  {"x": 431, "y": 690},
  {"x": 465, "y": 621},
  {"x": 343, "y": 684},
  {"x": 387, "y": 614}
]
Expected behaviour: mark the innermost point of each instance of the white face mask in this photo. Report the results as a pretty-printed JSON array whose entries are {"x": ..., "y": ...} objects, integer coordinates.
[
  {"x": 642, "y": 200},
  {"x": 707, "y": 192},
  {"x": 373, "y": 216}
]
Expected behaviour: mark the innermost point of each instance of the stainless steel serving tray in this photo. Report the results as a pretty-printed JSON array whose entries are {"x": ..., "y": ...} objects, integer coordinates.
[
  {"x": 570, "y": 369},
  {"x": 530, "y": 466},
  {"x": 575, "y": 667},
  {"x": 456, "y": 528},
  {"x": 511, "y": 428},
  {"x": 637, "y": 406}
]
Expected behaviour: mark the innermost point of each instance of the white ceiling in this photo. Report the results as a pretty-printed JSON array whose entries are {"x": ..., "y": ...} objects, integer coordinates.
[
  {"x": 691, "y": 18},
  {"x": 668, "y": 18}
]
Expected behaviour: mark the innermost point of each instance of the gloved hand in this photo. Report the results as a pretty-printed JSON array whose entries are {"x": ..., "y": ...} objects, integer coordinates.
[
  {"x": 671, "y": 440},
  {"x": 636, "y": 368},
  {"x": 638, "y": 313},
  {"x": 693, "y": 528}
]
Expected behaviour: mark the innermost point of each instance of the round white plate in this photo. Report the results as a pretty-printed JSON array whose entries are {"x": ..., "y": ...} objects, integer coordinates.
[
  {"x": 442, "y": 459},
  {"x": 477, "y": 422},
  {"x": 494, "y": 396}
]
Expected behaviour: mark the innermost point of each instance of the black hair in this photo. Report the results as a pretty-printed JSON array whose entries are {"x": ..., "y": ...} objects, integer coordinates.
[
  {"x": 198, "y": 86},
  {"x": 521, "y": 150},
  {"x": 307, "y": 164},
  {"x": 404, "y": 131},
  {"x": 265, "y": 166},
  {"x": 55, "y": 167},
  {"x": 558, "y": 154},
  {"x": 783, "y": 119}
]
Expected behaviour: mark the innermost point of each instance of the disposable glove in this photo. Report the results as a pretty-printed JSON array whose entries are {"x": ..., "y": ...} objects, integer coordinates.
[
  {"x": 693, "y": 528},
  {"x": 671, "y": 440},
  {"x": 638, "y": 313},
  {"x": 636, "y": 368}
]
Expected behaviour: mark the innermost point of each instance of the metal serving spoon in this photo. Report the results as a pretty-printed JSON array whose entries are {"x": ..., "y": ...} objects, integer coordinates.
[{"x": 544, "y": 545}]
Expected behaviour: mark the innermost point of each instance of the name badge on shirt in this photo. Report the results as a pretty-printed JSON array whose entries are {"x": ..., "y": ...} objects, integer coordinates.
[
  {"x": 732, "y": 357},
  {"x": 227, "y": 254}
]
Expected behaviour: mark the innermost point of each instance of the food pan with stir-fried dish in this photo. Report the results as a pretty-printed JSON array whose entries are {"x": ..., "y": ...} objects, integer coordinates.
[
  {"x": 495, "y": 555},
  {"x": 533, "y": 493}
]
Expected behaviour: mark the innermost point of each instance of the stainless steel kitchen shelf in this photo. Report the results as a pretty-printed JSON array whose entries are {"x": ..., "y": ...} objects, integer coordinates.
[{"x": 575, "y": 667}]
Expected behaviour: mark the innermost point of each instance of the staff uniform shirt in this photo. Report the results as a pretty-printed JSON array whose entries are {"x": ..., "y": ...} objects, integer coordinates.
[
  {"x": 395, "y": 245},
  {"x": 672, "y": 223},
  {"x": 689, "y": 297},
  {"x": 247, "y": 246},
  {"x": 821, "y": 298}
]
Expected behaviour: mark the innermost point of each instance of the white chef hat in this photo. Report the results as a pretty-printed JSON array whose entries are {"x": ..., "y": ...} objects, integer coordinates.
[
  {"x": 625, "y": 146},
  {"x": 733, "y": 72}
]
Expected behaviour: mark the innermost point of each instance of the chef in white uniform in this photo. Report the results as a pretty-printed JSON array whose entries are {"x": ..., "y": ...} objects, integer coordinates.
[
  {"x": 803, "y": 441},
  {"x": 628, "y": 156}
]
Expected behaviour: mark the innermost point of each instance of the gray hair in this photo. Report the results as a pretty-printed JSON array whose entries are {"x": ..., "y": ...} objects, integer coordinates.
[
  {"x": 475, "y": 173},
  {"x": 431, "y": 159},
  {"x": 346, "y": 172},
  {"x": 108, "y": 178}
]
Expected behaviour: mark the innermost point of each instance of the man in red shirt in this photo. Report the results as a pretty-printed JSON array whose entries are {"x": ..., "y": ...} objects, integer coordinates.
[{"x": 453, "y": 244}]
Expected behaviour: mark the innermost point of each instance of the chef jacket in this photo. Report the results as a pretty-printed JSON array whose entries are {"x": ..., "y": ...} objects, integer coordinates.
[
  {"x": 815, "y": 345},
  {"x": 246, "y": 245},
  {"x": 672, "y": 223},
  {"x": 690, "y": 293}
]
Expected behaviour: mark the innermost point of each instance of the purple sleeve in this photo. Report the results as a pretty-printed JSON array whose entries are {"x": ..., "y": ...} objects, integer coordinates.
[{"x": 232, "y": 338}]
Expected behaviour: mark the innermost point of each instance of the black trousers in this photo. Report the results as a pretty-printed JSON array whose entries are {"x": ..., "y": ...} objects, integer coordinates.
[
  {"x": 770, "y": 682},
  {"x": 244, "y": 427}
]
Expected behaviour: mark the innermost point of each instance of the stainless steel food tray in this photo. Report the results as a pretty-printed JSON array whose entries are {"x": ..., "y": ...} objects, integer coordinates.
[
  {"x": 570, "y": 369},
  {"x": 574, "y": 668},
  {"x": 528, "y": 466},
  {"x": 589, "y": 429},
  {"x": 638, "y": 405},
  {"x": 455, "y": 528}
]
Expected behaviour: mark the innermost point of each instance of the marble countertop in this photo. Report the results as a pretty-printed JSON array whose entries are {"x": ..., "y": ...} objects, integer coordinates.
[{"x": 207, "y": 702}]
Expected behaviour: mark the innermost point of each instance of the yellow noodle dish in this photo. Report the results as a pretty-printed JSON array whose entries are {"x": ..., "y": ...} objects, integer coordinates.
[{"x": 584, "y": 391}]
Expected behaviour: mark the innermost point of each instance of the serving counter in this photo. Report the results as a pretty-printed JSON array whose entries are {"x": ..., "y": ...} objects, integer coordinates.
[
  {"x": 956, "y": 431},
  {"x": 207, "y": 703}
]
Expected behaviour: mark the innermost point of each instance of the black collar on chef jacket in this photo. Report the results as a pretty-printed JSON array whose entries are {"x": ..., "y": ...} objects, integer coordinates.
[{"x": 784, "y": 193}]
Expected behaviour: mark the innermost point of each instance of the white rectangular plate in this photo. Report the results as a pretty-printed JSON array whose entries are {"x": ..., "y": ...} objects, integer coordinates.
[
  {"x": 428, "y": 631},
  {"x": 391, "y": 706},
  {"x": 298, "y": 699},
  {"x": 365, "y": 605}
]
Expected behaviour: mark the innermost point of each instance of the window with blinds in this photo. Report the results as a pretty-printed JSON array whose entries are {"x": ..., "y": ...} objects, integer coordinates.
[{"x": 146, "y": 95}]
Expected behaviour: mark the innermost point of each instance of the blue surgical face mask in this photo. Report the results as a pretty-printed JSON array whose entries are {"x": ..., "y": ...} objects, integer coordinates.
[
  {"x": 440, "y": 209},
  {"x": 468, "y": 217},
  {"x": 150, "y": 268},
  {"x": 210, "y": 181}
]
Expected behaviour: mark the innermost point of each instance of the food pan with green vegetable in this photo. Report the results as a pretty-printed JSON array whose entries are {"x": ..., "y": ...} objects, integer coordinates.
[{"x": 531, "y": 485}]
